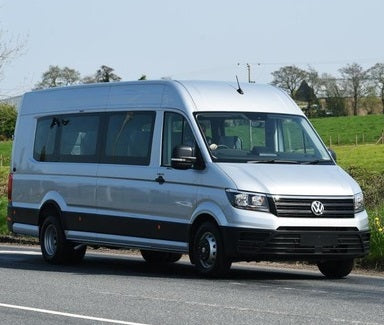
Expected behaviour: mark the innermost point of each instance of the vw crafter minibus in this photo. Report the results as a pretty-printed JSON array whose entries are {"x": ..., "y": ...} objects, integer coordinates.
[{"x": 223, "y": 172}]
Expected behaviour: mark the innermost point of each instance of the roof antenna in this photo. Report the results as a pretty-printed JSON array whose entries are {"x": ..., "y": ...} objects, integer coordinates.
[{"x": 239, "y": 90}]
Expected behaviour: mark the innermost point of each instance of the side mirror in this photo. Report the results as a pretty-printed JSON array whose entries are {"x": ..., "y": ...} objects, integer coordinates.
[
  {"x": 333, "y": 154},
  {"x": 183, "y": 157}
]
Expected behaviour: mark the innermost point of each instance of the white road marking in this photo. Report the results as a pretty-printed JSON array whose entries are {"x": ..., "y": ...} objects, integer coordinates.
[
  {"x": 57, "y": 313},
  {"x": 20, "y": 252}
]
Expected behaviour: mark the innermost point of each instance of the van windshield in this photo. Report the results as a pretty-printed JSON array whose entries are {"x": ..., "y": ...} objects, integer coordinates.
[{"x": 261, "y": 138}]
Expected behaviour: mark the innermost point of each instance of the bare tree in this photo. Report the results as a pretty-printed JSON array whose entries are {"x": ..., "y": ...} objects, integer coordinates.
[
  {"x": 289, "y": 78},
  {"x": 313, "y": 79},
  {"x": 57, "y": 77},
  {"x": 376, "y": 74},
  {"x": 9, "y": 49},
  {"x": 355, "y": 79},
  {"x": 334, "y": 93}
]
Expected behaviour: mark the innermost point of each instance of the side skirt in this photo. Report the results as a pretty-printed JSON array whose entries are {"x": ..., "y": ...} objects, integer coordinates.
[
  {"x": 126, "y": 241},
  {"x": 24, "y": 229}
]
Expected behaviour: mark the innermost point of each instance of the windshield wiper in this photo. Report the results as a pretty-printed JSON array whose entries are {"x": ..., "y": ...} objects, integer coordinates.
[
  {"x": 312, "y": 162},
  {"x": 273, "y": 161},
  {"x": 316, "y": 162}
]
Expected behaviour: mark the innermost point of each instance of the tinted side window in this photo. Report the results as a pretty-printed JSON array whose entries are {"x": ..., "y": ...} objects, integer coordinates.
[
  {"x": 45, "y": 138},
  {"x": 79, "y": 138},
  {"x": 67, "y": 138},
  {"x": 129, "y": 138},
  {"x": 176, "y": 131}
]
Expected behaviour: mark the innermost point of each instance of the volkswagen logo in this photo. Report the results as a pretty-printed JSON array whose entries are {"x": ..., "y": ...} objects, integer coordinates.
[{"x": 317, "y": 208}]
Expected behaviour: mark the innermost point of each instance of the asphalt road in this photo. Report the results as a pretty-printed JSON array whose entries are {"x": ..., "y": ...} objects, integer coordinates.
[{"x": 122, "y": 289}]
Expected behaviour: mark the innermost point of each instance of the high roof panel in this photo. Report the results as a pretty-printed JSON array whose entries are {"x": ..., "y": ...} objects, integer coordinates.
[{"x": 188, "y": 96}]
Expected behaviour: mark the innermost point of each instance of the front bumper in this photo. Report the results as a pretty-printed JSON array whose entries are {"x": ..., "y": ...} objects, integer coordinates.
[{"x": 288, "y": 243}]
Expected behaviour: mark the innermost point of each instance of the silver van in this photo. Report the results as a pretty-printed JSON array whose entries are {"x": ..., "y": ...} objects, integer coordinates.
[{"x": 219, "y": 171}]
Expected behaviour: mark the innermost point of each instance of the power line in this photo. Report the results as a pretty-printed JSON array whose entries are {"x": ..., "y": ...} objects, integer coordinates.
[{"x": 365, "y": 60}]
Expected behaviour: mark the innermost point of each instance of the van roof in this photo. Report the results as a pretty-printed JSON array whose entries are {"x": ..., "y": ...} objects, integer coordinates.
[
  {"x": 188, "y": 96},
  {"x": 208, "y": 95}
]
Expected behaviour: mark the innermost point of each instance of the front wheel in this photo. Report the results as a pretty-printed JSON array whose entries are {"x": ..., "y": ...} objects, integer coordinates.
[
  {"x": 336, "y": 269},
  {"x": 208, "y": 251},
  {"x": 54, "y": 246}
]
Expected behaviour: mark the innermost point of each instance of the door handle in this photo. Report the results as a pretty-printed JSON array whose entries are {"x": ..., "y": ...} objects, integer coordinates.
[{"x": 160, "y": 180}]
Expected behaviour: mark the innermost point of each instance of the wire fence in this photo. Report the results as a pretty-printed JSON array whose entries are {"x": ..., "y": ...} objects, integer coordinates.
[{"x": 355, "y": 139}]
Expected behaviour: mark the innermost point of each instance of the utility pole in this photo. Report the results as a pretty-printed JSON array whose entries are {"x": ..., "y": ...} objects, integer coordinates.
[
  {"x": 249, "y": 73},
  {"x": 248, "y": 70}
]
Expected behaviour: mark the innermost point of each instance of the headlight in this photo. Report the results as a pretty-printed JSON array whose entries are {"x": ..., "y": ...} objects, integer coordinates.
[
  {"x": 359, "y": 202},
  {"x": 248, "y": 200}
]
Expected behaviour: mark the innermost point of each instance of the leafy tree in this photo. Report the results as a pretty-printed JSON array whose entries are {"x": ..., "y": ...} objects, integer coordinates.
[
  {"x": 8, "y": 117},
  {"x": 88, "y": 80},
  {"x": 355, "y": 79},
  {"x": 104, "y": 74},
  {"x": 143, "y": 77},
  {"x": 70, "y": 76},
  {"x": 289, "y": 78},
  {"x": 376, "y": 74},
  {"x": 57, "y": 77}
]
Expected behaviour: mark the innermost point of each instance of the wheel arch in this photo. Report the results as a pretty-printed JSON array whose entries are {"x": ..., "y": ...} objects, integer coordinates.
[
  {"x": 49, "y": 208},
  {"x": 52, "y": 202},
  {"x": 206, "y": 212}
]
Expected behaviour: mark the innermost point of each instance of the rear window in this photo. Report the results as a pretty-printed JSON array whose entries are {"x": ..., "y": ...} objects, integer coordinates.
[
  {"x": 112, "y": 138},
  {"x": 70, "y": 138}
]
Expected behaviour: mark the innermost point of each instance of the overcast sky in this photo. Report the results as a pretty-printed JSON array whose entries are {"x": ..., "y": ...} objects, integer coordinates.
[{"x": 194, "y": 39}]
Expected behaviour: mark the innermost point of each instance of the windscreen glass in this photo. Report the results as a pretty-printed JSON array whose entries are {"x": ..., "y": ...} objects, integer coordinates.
[{"x": 261, "y": 137}]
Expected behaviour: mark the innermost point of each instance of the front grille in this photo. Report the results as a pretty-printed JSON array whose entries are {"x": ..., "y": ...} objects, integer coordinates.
[
  {"x": 300, "y": 207},
  {"x": 296, "y": 244},
  {"x": 304, "y": 243}
]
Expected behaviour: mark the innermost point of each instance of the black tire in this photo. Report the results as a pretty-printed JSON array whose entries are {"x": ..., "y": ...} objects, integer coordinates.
[
  {"x": 336, "y": 269},
  {"x": 75, "y": 253},
  {"x": 54, "y": 247},
  {"x": 209, "y": 253},
  {"x": 160, "y": 257}
]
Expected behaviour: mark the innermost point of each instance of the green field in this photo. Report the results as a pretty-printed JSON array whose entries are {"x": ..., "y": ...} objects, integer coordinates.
[{"x": 346, "y": 130}]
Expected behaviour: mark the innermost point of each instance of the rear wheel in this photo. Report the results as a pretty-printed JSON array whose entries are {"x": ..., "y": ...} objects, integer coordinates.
[
  {"x": 54, "y": 247},
  {"x": 160, "y": 257},
  {"x": 208, "y": 251},
  {"x": 336, "y": 269}
]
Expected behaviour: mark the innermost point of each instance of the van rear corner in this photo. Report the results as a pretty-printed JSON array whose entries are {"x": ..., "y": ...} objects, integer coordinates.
[{"x": 10, "y": 210}]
